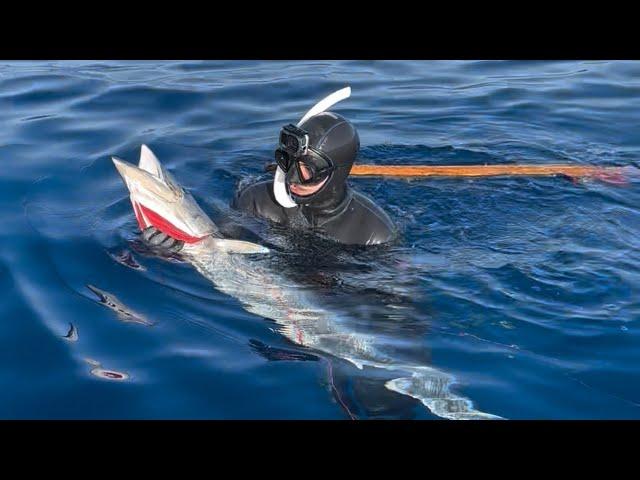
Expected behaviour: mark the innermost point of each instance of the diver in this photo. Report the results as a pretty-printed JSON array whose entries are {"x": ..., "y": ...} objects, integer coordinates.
[
  {"x": 310, "y": 191},
  {"x": 316, "y": 158}
]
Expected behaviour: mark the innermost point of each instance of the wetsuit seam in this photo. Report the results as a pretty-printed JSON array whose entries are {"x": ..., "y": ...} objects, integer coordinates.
[{"x": 323, "y": 139}]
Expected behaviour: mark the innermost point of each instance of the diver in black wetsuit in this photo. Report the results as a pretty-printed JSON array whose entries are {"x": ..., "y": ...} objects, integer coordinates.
[
  {"x": 310, "y": 190},
  {"x": 316, "y": 159}
]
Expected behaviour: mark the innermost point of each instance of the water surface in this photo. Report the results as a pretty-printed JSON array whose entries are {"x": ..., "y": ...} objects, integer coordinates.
[{"x": 525, "y": 290}]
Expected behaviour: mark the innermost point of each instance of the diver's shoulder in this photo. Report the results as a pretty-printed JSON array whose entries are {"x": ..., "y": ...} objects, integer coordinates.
[
  {"x": 376, "y": 225},
  {"x": 261, "y": 187},
  {"x": 246, "y": 197},
  {"x": 368, "y": 205},
  {"x": 258, "y": 199}
]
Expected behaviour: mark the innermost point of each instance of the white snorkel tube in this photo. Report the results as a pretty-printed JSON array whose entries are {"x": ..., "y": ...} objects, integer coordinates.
[{"x": 279, "y": 188}]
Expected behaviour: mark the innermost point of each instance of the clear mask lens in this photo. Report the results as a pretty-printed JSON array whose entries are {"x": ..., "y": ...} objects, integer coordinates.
[
  {"x": 283, "y": 159},
  {"x": 312, "y": 169}
]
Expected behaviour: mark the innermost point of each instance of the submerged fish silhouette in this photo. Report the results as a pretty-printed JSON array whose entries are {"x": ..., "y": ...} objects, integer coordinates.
[
  {"x": 159, "y": 201},
  {"x": 72, "y": 334},
  {"x": 124, "y": 313}
]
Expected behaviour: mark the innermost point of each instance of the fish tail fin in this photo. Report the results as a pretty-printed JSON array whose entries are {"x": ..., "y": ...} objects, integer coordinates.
[
  {"x": 150, "y": 163},
  {"x": 432, "y": 388}
]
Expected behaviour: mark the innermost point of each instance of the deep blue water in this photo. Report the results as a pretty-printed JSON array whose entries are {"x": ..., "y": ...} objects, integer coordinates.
[{"x": 526, "y": 290}]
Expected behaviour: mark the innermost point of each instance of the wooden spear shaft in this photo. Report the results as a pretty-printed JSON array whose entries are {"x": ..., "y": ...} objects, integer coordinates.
[
  {"x": 606, "y": 174},
  {"x": 574, "y": 171}
]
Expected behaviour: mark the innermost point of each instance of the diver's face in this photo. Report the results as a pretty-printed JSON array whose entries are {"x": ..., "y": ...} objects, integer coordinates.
[{"x": 307, "y": 189}]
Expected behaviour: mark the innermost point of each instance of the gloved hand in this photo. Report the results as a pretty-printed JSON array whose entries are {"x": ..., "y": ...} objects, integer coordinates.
[{"x": 158, "y": 240}]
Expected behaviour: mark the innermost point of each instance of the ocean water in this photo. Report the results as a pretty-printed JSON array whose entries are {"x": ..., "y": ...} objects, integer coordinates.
[{"x": 523, "y": 290}]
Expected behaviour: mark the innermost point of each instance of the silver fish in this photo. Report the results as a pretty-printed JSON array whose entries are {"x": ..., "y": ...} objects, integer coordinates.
[{"x": 235, "y": 267}]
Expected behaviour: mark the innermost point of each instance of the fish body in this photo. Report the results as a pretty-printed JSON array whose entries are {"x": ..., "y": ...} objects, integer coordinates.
[{"x": 238, "y": 269}]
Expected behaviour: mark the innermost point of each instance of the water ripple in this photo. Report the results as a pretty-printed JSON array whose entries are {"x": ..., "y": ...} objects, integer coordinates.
[{"x": 522, "y": 289}]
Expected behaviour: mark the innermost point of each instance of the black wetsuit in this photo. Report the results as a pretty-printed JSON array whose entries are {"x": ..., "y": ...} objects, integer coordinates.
[
  {"x": 335, "y": 210},
  {"x": 354, "y": 219}
]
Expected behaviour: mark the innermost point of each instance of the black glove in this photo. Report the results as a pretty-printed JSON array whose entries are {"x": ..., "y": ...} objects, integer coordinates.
[{"x": 157, "y": 240}]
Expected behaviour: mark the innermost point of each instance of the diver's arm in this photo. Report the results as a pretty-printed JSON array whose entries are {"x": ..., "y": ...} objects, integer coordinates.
[{"x": 157, "y": 240}]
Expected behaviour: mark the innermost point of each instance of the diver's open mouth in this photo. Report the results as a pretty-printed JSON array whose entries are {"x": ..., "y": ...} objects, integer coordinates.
[{"x": 304, "y": 190}]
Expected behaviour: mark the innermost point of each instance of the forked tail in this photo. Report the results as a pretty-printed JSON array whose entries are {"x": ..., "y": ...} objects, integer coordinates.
[{"x": 432, "y": 388}]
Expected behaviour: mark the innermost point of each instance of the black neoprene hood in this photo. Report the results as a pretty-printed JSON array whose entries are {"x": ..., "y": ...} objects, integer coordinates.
[{"x": 336, "y": 138}]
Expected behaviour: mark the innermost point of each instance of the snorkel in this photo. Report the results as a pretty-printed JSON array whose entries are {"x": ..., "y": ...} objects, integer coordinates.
[{"x": 282, "y": 195}]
